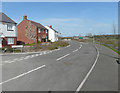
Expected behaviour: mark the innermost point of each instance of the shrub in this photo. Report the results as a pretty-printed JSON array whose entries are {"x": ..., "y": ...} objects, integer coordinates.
[
  {"x": 49, "y": 40},
  {"x": 17, "y": 50},
  {"x": 28, "y": 44},
  {"x": 39, "y": 42},
  {"x": 9, "y": 49},
  {"x": 53, "y": 47}
]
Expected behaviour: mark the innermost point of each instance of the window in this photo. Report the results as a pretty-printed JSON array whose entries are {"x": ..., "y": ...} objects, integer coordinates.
[
  {"x": 10, "y": 40},
  {"x": 38, "y": 30},
  {"x": 39, "y": 39},
  {"x": 9, "y": 27},
  {"x": 46, "y": 31}
]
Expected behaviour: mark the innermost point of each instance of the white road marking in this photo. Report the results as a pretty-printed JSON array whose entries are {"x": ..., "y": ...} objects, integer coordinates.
[
  {"x": 40, "y": 54},
  {"x": 37, "y": 54},
  {"x": 80, "y": 47},
  {"x": 22, "y": 74},
  {"x": 44, "y": 52},
  {"x": 75, "y": 50},
  {"x": 20, "y": 59},
  {"x": 68, "y": 46},
  {"x": 33, "y": 55},
  {"x": 15, "y": 59},
  {"x": 26, "y": 57},
  {"x": 63, "y": 57},
  {"x": 6, "y": 61},
  {"x": 82, "y": 83},
  {"x": 11, "y": 62}
]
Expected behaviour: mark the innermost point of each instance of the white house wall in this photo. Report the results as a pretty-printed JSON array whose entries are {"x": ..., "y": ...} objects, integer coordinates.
[
  {"x": 51, "y": 34},
  {"x": 3, "y": 29}
]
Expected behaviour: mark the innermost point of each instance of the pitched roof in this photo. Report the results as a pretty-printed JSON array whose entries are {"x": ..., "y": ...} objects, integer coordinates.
[
  {"x": 52, "y": 29},
  {"x": 5, "y": 18},
  {"x": 38, "y": 25}
]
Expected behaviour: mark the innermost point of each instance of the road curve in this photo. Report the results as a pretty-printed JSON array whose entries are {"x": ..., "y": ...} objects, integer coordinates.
[{"x": 61, "y": 70}]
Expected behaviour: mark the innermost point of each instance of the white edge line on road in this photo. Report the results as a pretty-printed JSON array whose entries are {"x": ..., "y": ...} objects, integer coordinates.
[
  {"x": 78, "y": 49},
  {"x": 82, "y": 83},
  {"x": 22, "y": 74},
  {"x": 63, "y": 57}
]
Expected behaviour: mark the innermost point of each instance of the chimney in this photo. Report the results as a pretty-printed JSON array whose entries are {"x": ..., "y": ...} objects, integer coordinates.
[
  {"x": 50, "y": 26},
  {"x": 24, "y": 17}
]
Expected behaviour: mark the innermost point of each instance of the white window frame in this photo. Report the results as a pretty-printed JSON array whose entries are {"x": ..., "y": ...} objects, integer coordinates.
[
  {"x": 9, "y": 27},
  {"x": 46, "y": 31},
  {"x": 39, "y": 39},
  {"x": 10, "y": 41},
  {"x": 39, "y": 30}
]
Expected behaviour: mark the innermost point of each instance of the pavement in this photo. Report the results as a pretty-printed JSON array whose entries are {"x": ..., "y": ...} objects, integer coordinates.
[{"x": 78, "y": 67}]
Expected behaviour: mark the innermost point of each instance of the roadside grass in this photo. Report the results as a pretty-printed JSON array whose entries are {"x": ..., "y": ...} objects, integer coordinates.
[
  {"x": 109, "y": 42},
  {"x": 111, "y": 49},
  {"x": 39, "y": 47}
]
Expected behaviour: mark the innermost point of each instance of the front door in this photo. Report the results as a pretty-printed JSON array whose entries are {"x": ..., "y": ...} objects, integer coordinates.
[{"x": 43, "y": 40}]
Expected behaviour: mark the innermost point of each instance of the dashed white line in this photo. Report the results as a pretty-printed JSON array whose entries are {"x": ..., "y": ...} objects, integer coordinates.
[
  {"x": 82, "y": 83},
  {"x": 37, "y": 55},
  {"x": 63, "y": 57},
  {"x": 20, "y": 59},
  {"x": 68, "y": 46},
  {"x": 6, "y": 61},
  {"x": 22, "y": 74},
  {"x": 11, "y": 62},
  {"x": 80, "y": 47},
  {"x": 75, "y": 50}
]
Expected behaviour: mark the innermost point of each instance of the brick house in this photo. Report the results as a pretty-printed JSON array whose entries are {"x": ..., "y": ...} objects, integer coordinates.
[
  {"x": 31, "y": 32},
  {"x": 8, "y": 31}
]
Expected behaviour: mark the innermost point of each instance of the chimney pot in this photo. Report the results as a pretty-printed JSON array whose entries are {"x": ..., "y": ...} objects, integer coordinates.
[
  {"x": 24, "y": 17},
  {"x": 50, "y": 26}
]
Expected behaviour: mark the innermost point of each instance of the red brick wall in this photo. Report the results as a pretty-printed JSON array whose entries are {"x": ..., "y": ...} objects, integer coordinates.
[
  {"x": 21, "y": 33},
  {"x": 41, "y": 34}
]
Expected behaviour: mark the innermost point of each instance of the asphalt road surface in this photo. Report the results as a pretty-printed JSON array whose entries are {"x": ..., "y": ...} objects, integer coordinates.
[{"x": 78, "y": 67}]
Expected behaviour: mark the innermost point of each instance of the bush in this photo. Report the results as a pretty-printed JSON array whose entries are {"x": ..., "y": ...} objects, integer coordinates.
[
  {"x": 49, "y": 40},
  {"x": 9, "y": 49},
  {"x": 17, "y": 50},
  {"x": 39, "y": 42},
  {"x": 53, "y": 47},
  {"x": 28, "y": 44}
]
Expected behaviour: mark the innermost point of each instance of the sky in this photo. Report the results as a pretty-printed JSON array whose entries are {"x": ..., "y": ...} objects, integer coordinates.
[{"x": 68, "y": 18}]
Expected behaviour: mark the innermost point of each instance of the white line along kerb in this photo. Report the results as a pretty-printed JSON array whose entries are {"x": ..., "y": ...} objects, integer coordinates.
[
  {"x": 63, "y": 57},
  {"x": 22, "y": 74},
  {"x": 82, "y": 83}
]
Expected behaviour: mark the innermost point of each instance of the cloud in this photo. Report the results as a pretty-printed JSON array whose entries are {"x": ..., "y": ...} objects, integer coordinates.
[{"x": 76, "y": 26}]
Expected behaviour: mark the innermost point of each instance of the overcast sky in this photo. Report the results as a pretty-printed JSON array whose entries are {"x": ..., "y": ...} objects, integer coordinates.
[{"x": 69, "y": 18}]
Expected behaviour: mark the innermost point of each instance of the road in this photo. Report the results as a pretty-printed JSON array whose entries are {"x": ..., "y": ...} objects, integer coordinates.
[{"x": 78, "y": 67}]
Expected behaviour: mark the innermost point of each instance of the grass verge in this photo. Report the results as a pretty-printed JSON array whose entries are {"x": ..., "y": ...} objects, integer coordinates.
[{"x": 111, "y": 49}]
